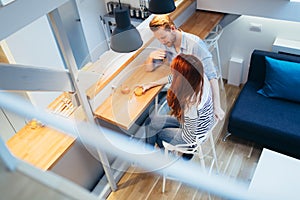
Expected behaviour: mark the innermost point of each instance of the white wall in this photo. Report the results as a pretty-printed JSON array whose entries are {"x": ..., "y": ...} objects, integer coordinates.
[
  {"x": 276, "y": 9},
  {"x": 35, "y": 45},
  {"x": 73, "y": 27},
  {"x": 10, "y": 121},
  {"x": 7, "y": 129},
  {"x": 90, "y": 12},
  {"x": 238, "y": 41},
  {"x": 278, "y": 18},
  {"x": 20, "y": 13}
]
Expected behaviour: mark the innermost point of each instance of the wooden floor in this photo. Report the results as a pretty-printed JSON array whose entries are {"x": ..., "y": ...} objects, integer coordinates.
[
  {"x": 201, "y": 23},
  {"x": 232, "y": 157}
]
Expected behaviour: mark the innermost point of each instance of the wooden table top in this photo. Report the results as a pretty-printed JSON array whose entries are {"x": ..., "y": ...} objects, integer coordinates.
[{"x": 124, "y": 109}]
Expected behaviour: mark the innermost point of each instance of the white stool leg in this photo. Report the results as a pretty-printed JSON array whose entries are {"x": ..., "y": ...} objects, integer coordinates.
[
  {"x": 226, "y": 136},
  {"x": 156, "y": 105},
  {"x": 201, "y": 157},
  {"x": 219, "y": 65},
  {"x": 214, "y": 151},
  {"x": 250, "y": 152},
  {"x": 164, "y": 173}
]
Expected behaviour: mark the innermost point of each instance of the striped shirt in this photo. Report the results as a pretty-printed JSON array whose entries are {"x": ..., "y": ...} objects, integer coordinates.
[{"x": 198, "y": 119}]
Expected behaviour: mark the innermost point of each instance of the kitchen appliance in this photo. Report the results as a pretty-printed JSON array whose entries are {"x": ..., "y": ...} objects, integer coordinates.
[{"x": 111, "y": 6}]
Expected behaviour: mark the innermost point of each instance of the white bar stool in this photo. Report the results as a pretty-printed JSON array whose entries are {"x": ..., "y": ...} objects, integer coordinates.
[
  {"x": 195, "y": 149},
  {"x": 212, "y": 44}
]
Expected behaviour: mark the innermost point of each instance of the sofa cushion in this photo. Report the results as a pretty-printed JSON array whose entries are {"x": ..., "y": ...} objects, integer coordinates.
[{"x": 281, "y": 80}]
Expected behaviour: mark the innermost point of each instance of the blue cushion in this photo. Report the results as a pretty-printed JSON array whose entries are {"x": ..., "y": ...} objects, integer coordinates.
[{"x": 282, "y": 80}]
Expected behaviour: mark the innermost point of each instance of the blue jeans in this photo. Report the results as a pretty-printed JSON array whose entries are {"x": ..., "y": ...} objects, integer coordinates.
[{"x": 163, "y": 128}]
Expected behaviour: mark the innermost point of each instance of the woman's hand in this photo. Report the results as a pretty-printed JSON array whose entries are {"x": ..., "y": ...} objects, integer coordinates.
[
  {"x": 219, "y": 113},
  {"x": 147, "y": 86}
]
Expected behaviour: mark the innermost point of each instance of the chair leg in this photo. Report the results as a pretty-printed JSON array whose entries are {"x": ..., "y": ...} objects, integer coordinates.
[
  {"x": 209, "y": 197},
  {"x": 226, "y": 136},
  {"x": 219, "y": 66},
  {"x": 201, "y": 157},
  {"x": 164, "y": 183},
  {"x": 250, "y": 152},
  {"x": 164, "y": 173},
  {"x": 156, "y": 105},
  {"x": 214, "y": 151}
]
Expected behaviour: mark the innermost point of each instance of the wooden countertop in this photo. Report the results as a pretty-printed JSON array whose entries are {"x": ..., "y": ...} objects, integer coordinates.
[
  {"x": 40, "y": 146},
  {"x": 124, "y": 109},
  {"x": 43, "y": 146}
]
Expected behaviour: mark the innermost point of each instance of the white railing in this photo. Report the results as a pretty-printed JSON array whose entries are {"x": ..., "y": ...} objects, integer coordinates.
[{"x": 106, "y": 139}]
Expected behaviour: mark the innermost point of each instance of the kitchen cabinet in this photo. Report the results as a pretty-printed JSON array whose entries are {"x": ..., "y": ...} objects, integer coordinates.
[{"x": 89, "y": 12}]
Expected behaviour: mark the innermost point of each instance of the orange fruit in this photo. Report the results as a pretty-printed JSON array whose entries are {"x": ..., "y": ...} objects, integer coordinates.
[{"x": 138, "y": 91}]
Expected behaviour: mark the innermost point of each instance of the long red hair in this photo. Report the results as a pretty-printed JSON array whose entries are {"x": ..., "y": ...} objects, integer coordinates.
[{"x": 187, "y": 71}]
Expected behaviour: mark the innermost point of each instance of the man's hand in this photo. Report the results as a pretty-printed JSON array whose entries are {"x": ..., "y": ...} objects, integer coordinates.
[
  {"x": 154, "y": 55},
  {"x": 158, "y": 54}
]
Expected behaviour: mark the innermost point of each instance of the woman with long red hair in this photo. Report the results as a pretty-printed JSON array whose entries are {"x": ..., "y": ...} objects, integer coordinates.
[{"x": 190, "y": 100}]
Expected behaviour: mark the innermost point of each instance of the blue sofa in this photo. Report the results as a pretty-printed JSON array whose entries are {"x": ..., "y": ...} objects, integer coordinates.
[{"x": 269, "y": 122}]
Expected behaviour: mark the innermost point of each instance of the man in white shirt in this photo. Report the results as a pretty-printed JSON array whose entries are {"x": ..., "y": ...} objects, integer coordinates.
[{"x": 173, "y": 42}]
